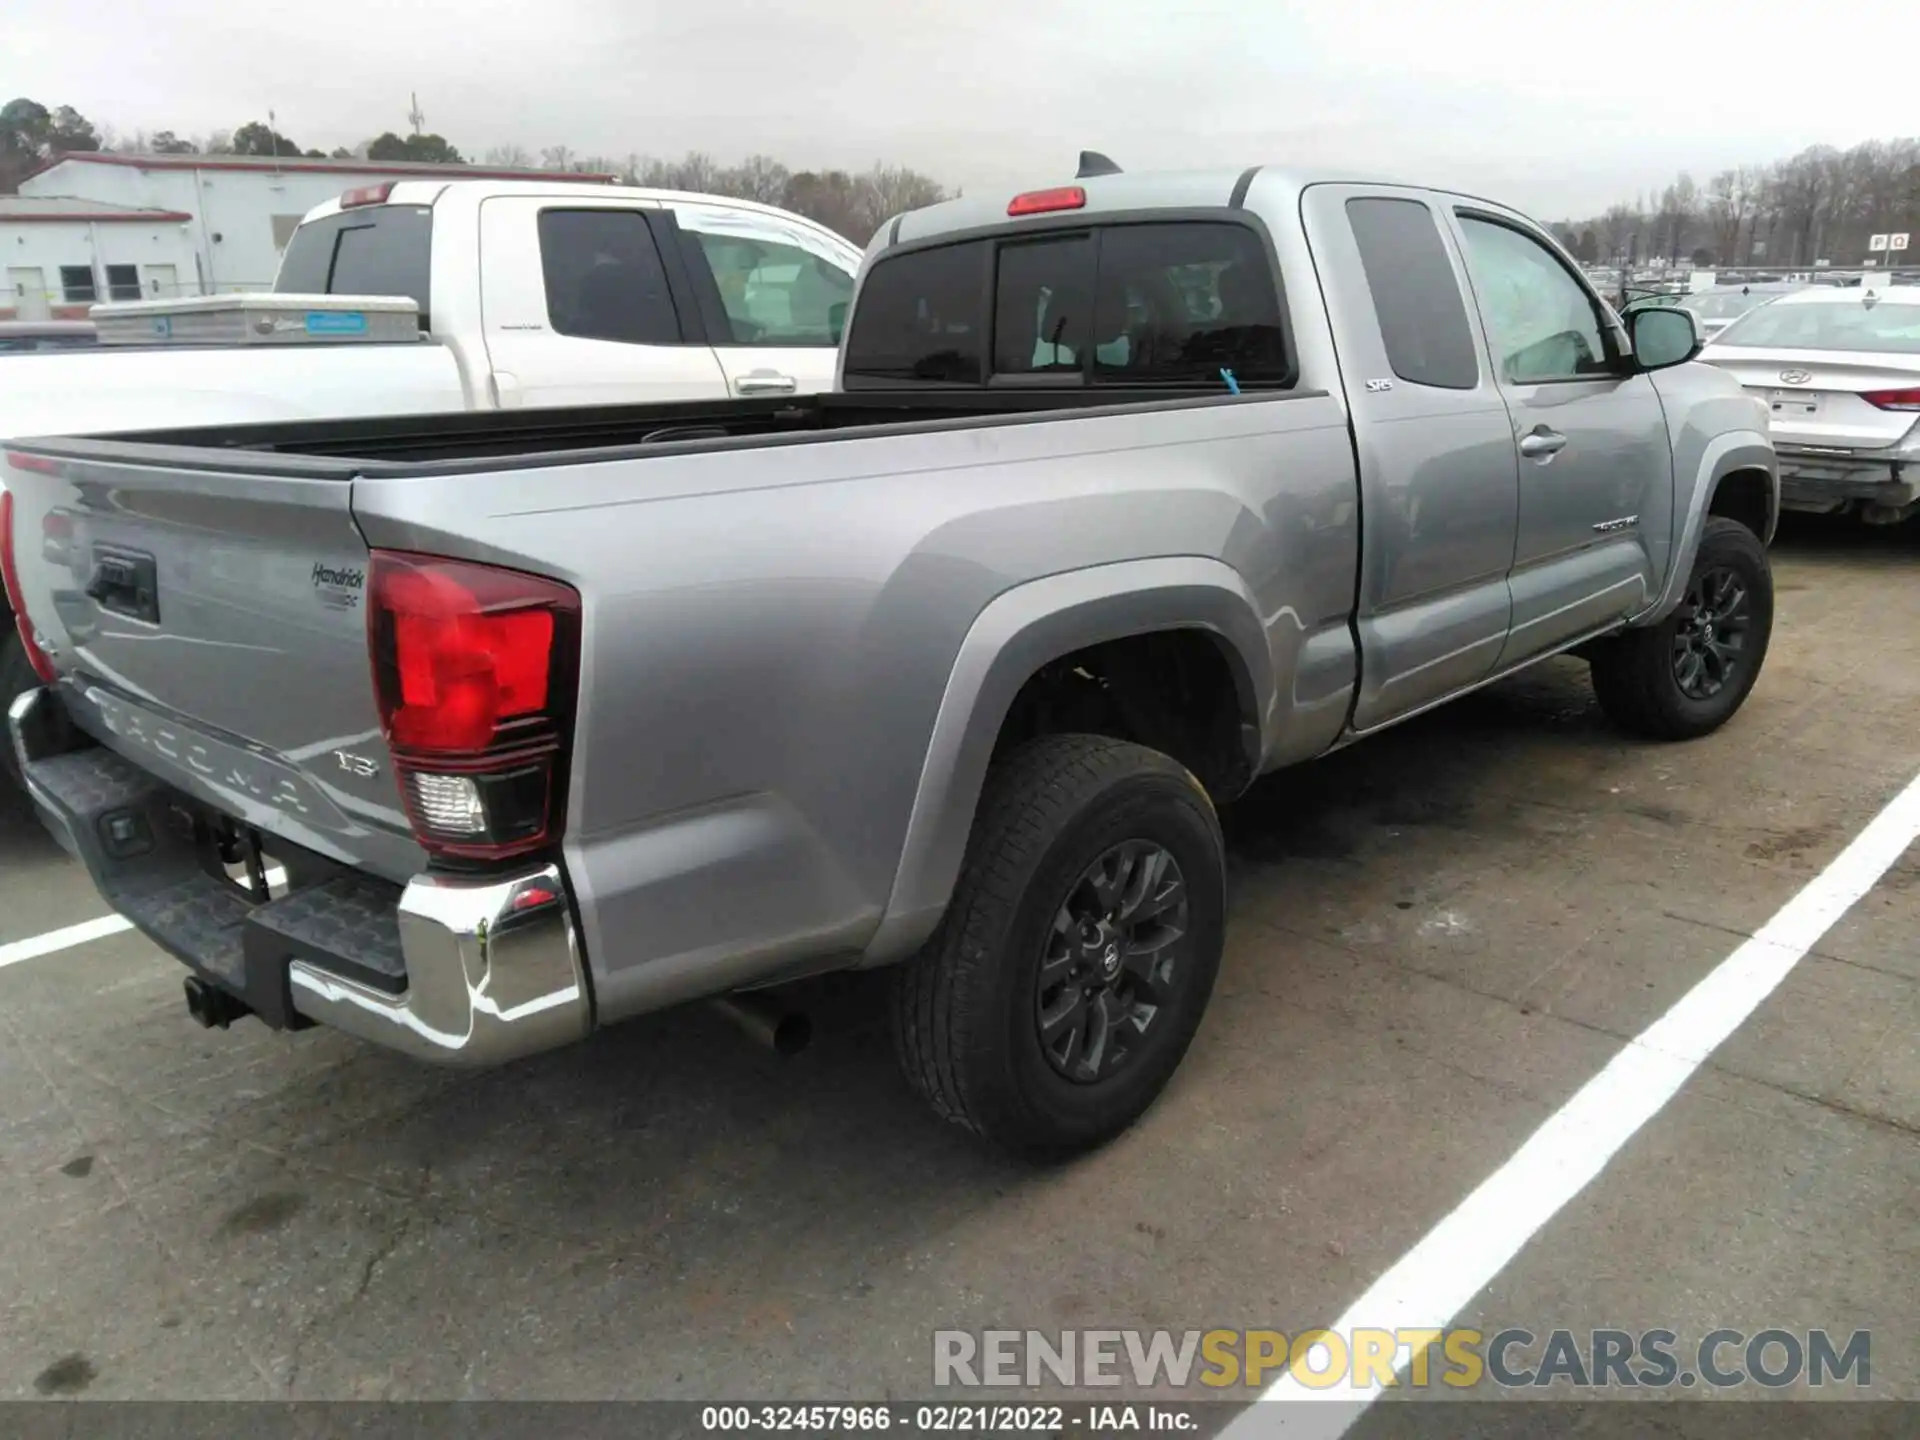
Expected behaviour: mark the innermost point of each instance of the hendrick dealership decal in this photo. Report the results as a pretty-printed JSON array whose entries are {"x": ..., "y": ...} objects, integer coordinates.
[{"x": 339, "y": 588}]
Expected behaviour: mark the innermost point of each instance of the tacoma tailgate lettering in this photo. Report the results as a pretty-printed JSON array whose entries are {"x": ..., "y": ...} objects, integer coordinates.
[{"x": 224, "y": 764}]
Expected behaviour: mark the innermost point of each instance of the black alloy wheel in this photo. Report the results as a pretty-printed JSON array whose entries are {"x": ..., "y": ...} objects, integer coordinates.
[
  {"x": 1113, "y": 960},
  {"x": 1686, "y": 675},
  {"x": 1077, "y": 953},
  {"x": 1709, "y": 644}
]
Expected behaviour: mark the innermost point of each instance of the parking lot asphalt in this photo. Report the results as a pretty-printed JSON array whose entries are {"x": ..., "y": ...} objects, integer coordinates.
[{"x": 1437, "y": 938}]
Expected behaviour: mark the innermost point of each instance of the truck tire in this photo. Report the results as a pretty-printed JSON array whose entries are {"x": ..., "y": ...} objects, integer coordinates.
[
  {"x": 1076, "y": 957},
  {"x": 1686, "y": 676},
  {"x": 16, "y": 675}
]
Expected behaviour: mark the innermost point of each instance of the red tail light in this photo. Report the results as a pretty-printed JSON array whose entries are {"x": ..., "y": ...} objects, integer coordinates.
[
  {"x": 10, "y": 579},
  {"x": 366, "y": 195},
  {"x": 1043, "y": 202},
  {"x": 1893, "y": 399},
  {"x": 475, "y": 669}
]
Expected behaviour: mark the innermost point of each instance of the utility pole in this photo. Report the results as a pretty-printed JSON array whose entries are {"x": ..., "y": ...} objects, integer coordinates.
[
  {"x": 414, "y": 116},
  {"x": 273, "y": 139}
]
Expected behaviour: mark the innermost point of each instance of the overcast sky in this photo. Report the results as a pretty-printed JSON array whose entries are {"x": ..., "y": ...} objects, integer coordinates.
[{"x": 1557, "y": 108}]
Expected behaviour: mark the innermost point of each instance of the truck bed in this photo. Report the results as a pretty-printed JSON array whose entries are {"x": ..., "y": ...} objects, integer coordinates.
[
  {"x": 775, "y": 598},
  {"x": 394, "y": 444}
]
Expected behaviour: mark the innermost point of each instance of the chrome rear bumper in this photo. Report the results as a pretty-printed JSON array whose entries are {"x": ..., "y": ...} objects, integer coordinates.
[
  {"x": 451, "y": 969},
  {"x": 489, "y": 978}
]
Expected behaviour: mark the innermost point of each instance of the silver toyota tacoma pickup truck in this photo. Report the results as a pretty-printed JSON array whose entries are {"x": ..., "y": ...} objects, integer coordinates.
[{"x": 469, "y": 734}]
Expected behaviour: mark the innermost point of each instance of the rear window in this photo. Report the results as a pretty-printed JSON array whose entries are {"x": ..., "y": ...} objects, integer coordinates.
[
  {"x": 1043, "y": 306},
  {"x": 1886, "y": 327},
  {"x": 1726, "y": 304},
  {"x": 918, "y": 318},
  {"x": 1150, "y": 304},
  {"x": 1181, "y": 302},
  {"x": 380, "y": 250},
  {"x": 1423, "y": 319}
]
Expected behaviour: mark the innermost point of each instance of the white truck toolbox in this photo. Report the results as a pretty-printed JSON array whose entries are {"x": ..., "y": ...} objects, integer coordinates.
[{"x": 259, "y": 318}]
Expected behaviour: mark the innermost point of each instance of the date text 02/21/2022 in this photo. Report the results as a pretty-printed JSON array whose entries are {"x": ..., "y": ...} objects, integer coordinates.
[{"x": 949, "y": 1418}]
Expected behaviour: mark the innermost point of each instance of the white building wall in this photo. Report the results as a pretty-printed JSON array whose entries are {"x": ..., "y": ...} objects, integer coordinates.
[
  {"x": 234, "y": 233},
  {"x": 33, "y": 253}
]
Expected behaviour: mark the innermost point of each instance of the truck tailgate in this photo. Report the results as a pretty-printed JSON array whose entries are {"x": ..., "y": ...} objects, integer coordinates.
[{"x": 209, "y": 626}]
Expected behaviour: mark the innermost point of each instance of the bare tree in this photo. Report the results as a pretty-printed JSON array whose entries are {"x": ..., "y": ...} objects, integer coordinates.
[
  {"x": 758, "y": 177},
  {"x": 896, "y": 188},
  {"x": 1730, "y": 202},
  {"x": 1617, "y": 229},
  {"x": 699, "y": 172},
  {"x": 1673, "y": 225},
  {"x": 1821, "y": 204},
  {"x": 1806, "y": 187},
  {"x": 854, "y": 204},
  {"x": 1882, "y": 166}
]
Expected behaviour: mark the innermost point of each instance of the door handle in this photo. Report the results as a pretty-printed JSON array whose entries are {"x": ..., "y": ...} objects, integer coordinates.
[
  {"x": 765, "y": 382},
  {"x": 1542, "y": 444}
]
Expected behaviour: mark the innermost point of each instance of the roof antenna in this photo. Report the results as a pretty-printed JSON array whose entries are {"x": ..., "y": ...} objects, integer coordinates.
[{"x": 1092, "y": 162}]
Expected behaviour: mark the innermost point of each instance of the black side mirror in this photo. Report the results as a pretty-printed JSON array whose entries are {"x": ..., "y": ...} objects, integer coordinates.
[{"x": 1663, "y": 336}]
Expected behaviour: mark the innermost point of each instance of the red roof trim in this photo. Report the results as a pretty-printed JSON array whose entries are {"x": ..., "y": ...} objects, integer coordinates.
[
  {"x": 402, "y": 170},
  {"x": 109, "y": 217}
]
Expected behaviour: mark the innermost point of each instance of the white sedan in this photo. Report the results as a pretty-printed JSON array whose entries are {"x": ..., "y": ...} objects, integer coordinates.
[
  {"x": 1718, "y": 308},
  {"x": 1840, "y": 372}
]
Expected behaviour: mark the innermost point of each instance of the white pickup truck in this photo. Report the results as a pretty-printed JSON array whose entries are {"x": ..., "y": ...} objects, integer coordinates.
[{"x": 530, "y": 294}]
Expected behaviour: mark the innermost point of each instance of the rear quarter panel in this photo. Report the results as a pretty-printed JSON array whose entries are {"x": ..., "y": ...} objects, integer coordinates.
[{"x": 769, "y": 632}]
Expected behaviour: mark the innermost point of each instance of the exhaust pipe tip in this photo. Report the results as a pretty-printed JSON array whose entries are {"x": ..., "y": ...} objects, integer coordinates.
[
  {"x": 793, "y": 1034},
  {"x": 783, "y": 1031}
]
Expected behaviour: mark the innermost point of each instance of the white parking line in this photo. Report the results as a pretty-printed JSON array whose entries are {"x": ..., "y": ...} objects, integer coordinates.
[
  {"x": 13, "y": 952},
  {"x": 34, "y": 946},
  {"x": 1464, "y": 1253}
]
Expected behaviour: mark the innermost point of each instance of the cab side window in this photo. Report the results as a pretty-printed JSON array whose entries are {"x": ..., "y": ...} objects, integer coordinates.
[
  {"x": 1542, "y": 325},
  {"x": 1423, "y": 321},
  {"x": 773, "y": 292},
  {"x": 603, "y": 278}
]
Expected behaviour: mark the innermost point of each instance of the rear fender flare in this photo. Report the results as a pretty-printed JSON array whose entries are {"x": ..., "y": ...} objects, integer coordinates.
[{"x": 1018, "y": 632}]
